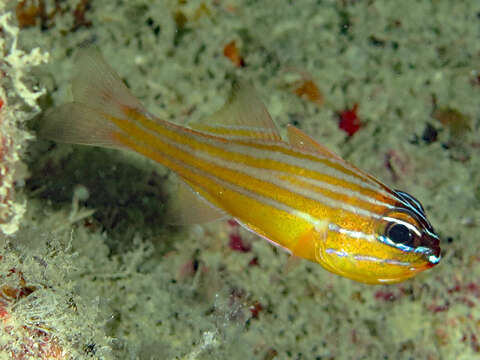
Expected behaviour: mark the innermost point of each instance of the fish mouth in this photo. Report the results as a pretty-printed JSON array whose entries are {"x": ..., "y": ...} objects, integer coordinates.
[{"x": 430, "y": 248}]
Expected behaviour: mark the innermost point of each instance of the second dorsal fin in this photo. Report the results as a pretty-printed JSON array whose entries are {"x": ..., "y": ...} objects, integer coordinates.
[{"x": 243, "y": 117}]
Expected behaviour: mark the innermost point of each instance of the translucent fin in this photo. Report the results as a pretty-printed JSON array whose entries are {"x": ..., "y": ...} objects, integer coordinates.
[
  {"x": 190, "y": 207},
  {"x": 77, "y": 124},
  {"x": 300, "y": 140},
  {"x": 99, "y": 95},
  {"x": 262, "y": 234},
  {"x": 243, "y": 117},
  {"x": 98, "y": 86},
  {"x": 308, "y": 243}
]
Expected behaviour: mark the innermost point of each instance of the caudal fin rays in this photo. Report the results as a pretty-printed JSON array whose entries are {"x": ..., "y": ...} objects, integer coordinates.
[
  {"x": 99, "y": 87},
  {"x": 75, "y": 123},
  {"x": 99, "y": 95}
]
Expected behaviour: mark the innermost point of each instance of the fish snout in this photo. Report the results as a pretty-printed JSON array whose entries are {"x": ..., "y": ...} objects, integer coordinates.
[{"x": 431, "y": 243}]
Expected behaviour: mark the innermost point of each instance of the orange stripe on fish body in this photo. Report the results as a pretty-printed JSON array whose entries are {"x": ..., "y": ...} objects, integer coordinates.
[{"x": 296, "y": 194}]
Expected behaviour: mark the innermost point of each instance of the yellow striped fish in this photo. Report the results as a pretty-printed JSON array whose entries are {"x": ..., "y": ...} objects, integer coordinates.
[{"x": 296, "y": 194}]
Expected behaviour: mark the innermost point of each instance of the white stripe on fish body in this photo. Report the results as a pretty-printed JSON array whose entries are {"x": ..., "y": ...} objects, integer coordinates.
[
  {"x": 343, "y": 191},
  {"x": 319, "y": 224},
  {"x": 261, "y": 154},
  {"x": 358, "y": 257},
  {"x": 315, "y": 165},
  {"x": 351, "y": 233},
  {"x": 268, "y": 176}
]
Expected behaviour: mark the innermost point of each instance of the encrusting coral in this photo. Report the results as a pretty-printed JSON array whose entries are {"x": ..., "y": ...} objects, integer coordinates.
[{"x": 17, "y": 105}]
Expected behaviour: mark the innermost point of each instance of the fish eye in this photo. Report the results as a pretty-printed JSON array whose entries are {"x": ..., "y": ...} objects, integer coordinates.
[
  {"x": 402, "y": 230},
  {"x": 400, "y": 234},
  {"x": 405, "y": 230}
]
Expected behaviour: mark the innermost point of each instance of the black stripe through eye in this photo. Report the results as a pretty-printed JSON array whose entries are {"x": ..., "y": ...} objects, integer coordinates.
[{"x": 411, "y": 201}]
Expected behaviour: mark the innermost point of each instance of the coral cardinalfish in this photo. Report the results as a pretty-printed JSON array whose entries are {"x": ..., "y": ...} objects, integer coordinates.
[{"x": 297, "y": 194}]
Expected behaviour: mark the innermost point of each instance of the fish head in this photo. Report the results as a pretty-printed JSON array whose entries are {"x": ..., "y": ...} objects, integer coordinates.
[
  {"x": 412, "y": 242},
  {"x": 390, "y": 249}
]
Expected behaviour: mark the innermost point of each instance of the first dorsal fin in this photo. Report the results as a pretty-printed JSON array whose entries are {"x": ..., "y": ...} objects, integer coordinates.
[
  {"x": 243, "y": 117},
  {"x": 298, "y": 139}
]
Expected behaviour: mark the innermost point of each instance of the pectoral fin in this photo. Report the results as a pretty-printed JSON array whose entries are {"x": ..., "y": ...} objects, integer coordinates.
[{"x": 310, "y": 243}]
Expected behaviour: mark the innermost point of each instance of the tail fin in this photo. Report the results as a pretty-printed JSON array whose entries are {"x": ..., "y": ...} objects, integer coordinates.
[{"x": 98, "y": 95}]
